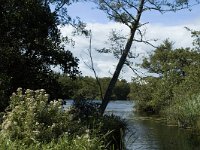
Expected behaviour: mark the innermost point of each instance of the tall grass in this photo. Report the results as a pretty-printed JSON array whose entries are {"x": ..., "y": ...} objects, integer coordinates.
[{"x": 185, "y": 112}]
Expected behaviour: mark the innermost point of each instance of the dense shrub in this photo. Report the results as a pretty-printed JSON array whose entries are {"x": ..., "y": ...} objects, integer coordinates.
[
  {"x": 110, "y": 125},
  {"x": 116, "y": 126},
  {"x": 31, "y": 122},
  {"x": 64, "y": 143},
  {"x": 31, "y": 118},
  {"x": 185, "y": 111}
]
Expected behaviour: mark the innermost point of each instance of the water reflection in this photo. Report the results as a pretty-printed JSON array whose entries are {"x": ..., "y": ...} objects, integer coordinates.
[{"x": 151, "y": 133}]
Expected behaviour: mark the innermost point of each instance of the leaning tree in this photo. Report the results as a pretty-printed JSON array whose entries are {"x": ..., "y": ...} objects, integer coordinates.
[{"x": 129, "y": 12}]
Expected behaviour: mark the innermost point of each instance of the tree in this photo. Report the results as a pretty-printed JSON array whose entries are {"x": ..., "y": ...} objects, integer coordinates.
[
  {"x": 31, "y": 44},
  {"x": 142, "y": 90},
  {"x": 121, "y": 90},
  {"x": 69, "y": 86},
  {"x": 171, "y": 63},
  {"x": 196, "y": 36},
  {"x": 129, "y": 13},
  {"x": 88, "y": 89},
  {"x": 178, "y": 73}
]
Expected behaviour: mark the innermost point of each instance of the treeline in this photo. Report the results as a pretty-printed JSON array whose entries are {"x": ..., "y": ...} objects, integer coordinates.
[
  {"x": 87, "y": 88},
  {"x": 174, "y": 89}
]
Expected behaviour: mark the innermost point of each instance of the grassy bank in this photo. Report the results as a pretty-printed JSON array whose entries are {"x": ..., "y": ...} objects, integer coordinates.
[{"x": 185, "y": 112}]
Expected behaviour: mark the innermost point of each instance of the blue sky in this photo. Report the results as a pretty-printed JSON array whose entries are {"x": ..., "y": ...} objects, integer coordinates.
[
  {"x": 88, "y": 13},
  {"x": 169, "y": 25}
]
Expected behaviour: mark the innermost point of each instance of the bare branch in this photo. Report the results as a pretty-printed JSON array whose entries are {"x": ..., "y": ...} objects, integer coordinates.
[
  {"x": 131, "y": 16},
  {"x": 145, "y": 42},
  {"x": 135, "y": 71},
  {"x": 131, "y": 5},
  {"x": 92, "y": 64}
]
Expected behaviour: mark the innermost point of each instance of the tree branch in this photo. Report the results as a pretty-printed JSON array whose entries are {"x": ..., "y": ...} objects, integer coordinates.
[{"x": 92, "y": 64}]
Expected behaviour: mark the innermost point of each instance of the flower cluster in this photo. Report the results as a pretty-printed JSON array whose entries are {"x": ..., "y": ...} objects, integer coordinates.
[{"x": 33, "y": 119}]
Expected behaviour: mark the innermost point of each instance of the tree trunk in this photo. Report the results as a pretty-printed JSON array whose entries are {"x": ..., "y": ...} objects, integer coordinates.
[{"x": 122, "y": 60}]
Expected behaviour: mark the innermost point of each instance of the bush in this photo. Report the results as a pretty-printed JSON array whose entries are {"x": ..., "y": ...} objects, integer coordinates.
[
  {"x": 31, "y": 118},
  {"x": 99, "y": 126},
  {"x": 116, "y": 126},
  {"x": 186, "y": 112},
  {"x": 31, "y": 122},
  {"x": 64, "y": 143}
]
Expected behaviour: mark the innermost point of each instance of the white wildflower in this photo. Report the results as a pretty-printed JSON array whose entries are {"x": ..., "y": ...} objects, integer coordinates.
[
  {"x": 86, "y": 136},
  {"x": 53, "y": 125},
  {"x": 15, "y": 123}
]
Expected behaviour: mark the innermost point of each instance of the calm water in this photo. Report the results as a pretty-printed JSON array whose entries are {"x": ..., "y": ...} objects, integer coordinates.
[{"x": 150, "y": 133}]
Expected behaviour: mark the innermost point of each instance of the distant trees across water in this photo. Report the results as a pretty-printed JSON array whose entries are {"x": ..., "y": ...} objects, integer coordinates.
[{"x": 87, "y": 88}]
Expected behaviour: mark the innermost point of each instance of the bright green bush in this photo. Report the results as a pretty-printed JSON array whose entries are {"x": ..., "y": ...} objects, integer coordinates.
[{"x": 31, "y": 118}]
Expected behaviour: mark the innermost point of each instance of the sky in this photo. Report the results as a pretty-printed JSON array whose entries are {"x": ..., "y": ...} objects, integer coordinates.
[{"x": 160, "y": 26}]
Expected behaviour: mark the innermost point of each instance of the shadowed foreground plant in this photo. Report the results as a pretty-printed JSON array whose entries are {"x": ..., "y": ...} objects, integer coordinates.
[{"x": 110, "y": 127}]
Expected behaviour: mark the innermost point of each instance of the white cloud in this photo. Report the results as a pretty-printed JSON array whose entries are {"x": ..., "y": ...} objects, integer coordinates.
[{"x": 105, "y": 63}]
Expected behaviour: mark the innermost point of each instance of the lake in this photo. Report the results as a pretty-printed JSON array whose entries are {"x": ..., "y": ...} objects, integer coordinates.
[{"x": 150, "y": 133}]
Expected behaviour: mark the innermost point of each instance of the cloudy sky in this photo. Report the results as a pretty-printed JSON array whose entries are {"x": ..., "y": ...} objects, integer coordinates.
[{"x": 160, "y": 26}]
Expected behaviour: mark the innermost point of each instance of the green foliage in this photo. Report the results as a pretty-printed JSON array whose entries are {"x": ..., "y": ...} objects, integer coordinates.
[
  {"x": 185, "y": 111},
  {"x": 178, "y": 73},
  {"x": 32, "y": 123},
  {"x": 141, "y": 92},
  {"x": 121, "y": 90},
  {"x": 69, "y": 86},
  {"x": 104, "y": 84},
  {"x": 77, "y": 143},
  {"x": 174, "y": 93},
  {"x": 30, "y": 45},
  {"x": 83, "y": 88},
  {"x": 31, "y": 118},
  {"x": 117, "y": 127},
  {"x": 83, "y": 110},
  {"x": 196, "y": 35},
  {"x": 86, "y": 88},
  {"x": 111, "y": 126},
  {"x": 4, "y": 90}
]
